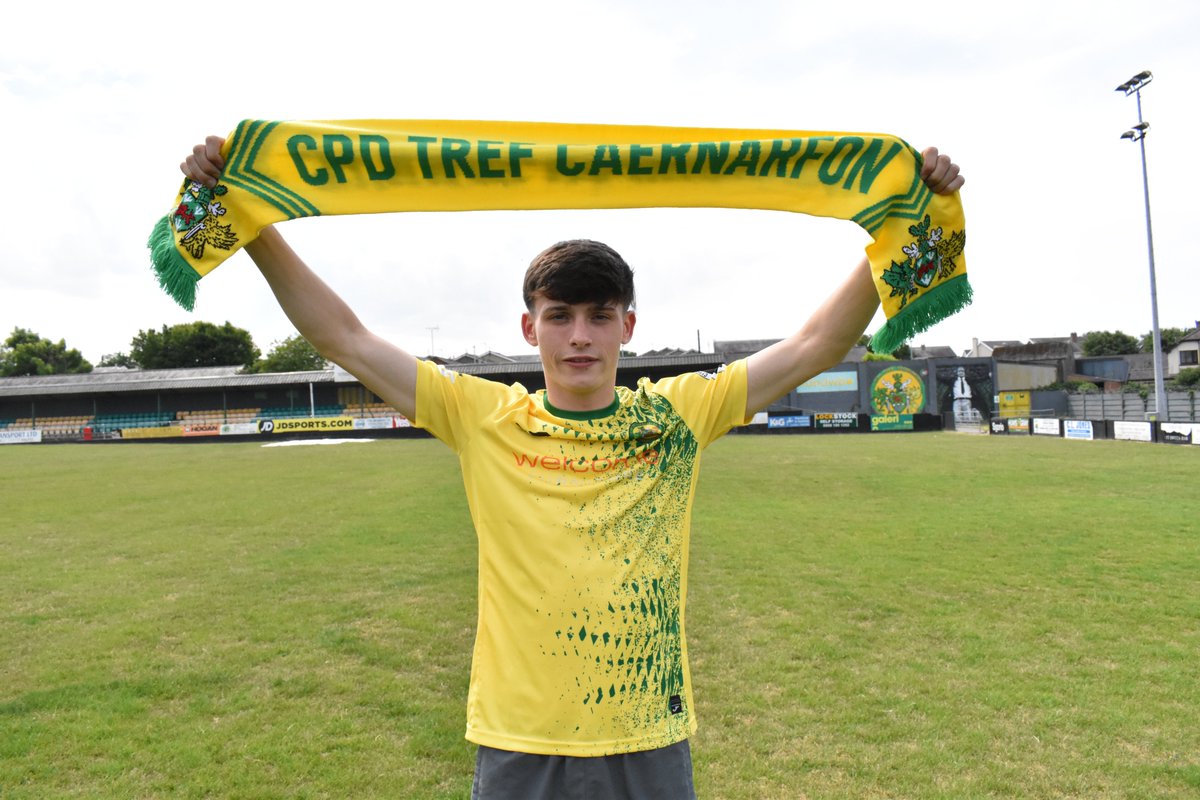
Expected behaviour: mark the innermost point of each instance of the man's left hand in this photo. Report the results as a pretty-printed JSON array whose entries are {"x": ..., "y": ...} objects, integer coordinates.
[{"x": 939, "y": 172}]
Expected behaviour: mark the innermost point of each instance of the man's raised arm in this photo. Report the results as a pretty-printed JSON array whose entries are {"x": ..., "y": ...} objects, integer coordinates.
[
  {"x": 318, "y": 313},
  {"x": 836, "y": 326}
]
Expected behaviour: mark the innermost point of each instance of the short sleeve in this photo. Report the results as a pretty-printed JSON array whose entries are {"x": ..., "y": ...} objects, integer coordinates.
[
  {"x": 451, "y": 405},
  {"x": 711, "y": 403}
]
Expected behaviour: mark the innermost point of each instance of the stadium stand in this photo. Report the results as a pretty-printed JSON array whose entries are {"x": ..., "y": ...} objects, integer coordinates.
[
  {"x": 70, "y": 427},
  {"x": 217, "y": 415},
  {"x": 301, "y": 411},
  {"x": 106, "y": 423},
  {"x": 109, "y": 401},
  {"x": 369, "y": 410}
]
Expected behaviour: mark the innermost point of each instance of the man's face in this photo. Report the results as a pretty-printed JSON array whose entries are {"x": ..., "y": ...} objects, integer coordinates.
[{"x": 579, "y": 344}]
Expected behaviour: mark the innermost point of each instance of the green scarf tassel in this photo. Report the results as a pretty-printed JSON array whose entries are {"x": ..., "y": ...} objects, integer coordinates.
[
  {"x": 923, "y": 313},
  {"x": 175, "y": 275}
]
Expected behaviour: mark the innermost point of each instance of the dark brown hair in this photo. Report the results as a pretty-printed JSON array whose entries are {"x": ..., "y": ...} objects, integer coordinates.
[{"x": 580, "y": 271}]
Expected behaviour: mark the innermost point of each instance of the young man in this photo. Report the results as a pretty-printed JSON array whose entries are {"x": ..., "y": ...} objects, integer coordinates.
[{"x": 581, "y": 498}]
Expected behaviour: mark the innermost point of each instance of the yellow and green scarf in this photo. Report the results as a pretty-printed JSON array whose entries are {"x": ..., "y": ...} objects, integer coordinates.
[{"x": 275, "y": 171}]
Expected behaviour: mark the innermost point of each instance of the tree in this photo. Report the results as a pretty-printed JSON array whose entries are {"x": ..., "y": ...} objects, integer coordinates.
[
  {"x": 901, "y": 353},
  {"x": 117, "y": 360},
  {"x": 1170, "y": 337},
  {"x": 26, "y": 353},
  {"x": 1109, "y": 343},
  {"x": 1187, "y": 380},
  {"x": 193, "y": 344},
  {"x": 293, "y": 354}
]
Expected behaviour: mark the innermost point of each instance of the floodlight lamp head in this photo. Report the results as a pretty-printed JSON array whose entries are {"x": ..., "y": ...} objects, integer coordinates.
[
  {"x": 1128, "y": 135},
  {"x": 1136, "y": 82},
  {"x": 1142, "y": 126}
]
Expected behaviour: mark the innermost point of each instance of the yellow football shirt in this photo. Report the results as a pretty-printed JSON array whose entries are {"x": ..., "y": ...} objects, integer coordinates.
[{"x": 583, "y": 523}]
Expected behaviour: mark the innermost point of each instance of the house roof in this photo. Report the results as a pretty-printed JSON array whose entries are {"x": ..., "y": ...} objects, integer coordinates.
[
  {"x": 743, "y": 346},
  {"x": 1041, "y": 351},
  {"x": 490, "y": 357},
  {"x": 1073, "y": 341},
  {"x": 934, "y": 351},
  {"x": 668, "y": 351},
  {"x": 1194, "y": 336},
  {"x": 986, "y": 347},
  {"x": 1141, "y": 366}
]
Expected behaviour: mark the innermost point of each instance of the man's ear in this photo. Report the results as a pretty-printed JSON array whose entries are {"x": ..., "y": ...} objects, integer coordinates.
[
  {"x": 527, "y": 329},
  {"x": 630, "y": 321}
]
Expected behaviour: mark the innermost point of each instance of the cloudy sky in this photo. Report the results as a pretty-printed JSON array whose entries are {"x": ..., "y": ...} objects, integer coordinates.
[{"x": 101, "y": 101}]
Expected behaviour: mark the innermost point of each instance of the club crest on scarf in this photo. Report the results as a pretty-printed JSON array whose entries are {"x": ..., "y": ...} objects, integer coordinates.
[
  {"x": 196, "y": 218},
  {"x": 930, "y": 257}
]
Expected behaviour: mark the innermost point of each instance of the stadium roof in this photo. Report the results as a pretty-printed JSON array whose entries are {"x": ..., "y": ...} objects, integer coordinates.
[{"x": 119, "y": 379}]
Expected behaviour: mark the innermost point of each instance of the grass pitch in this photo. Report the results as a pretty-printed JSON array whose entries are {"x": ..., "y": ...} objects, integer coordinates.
[{"x": 899, "y": 616}]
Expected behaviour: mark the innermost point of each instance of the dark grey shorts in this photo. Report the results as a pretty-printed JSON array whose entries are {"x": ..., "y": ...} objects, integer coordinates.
[{"x": 663, "y": 774}]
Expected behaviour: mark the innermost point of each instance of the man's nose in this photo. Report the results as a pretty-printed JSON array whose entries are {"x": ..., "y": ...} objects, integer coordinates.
[{"x": 581, "y": 334}]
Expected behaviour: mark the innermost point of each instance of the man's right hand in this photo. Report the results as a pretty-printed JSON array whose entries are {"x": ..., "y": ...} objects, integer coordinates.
[{"x": 206, "y": 163}]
